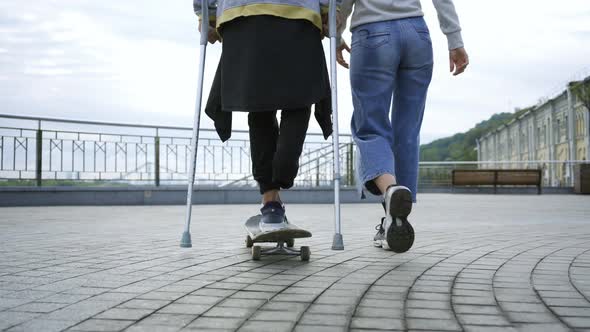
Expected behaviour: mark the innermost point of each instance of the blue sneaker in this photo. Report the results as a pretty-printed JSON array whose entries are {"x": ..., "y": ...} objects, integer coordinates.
[{"x": 273, "y": 217}]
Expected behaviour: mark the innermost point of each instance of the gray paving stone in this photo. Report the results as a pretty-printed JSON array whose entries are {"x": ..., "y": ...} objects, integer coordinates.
[
  {"x": 125, "y": 313},
  {"x": 65, "y": 298},
  {"x": 9, "y": 319},
  {"x": 217, "y": 323},
  {"x": 377, "y": 303},
  {"x": 566, "y": 302},
  {"x": 229, "y": 312},
  {"x": 102, "y": 325},
  {"x": 524, "y": 307},
  {"x": 167, "y": 296},
  {"x": 185, "y": 308},
  {"x": 324, "y": 319},
  {"x": 315, "y": 328},
  {"x": 43, "y": 325},
  {"x": 429, "y": 313},
  {"x": 490, "y": 320},
  {"x": 476, "y": 309},
  {"x": 333, "y": 309},
  {"x": 243, "y": 303},
  {"x": 280, "y": 316},
  {"x": 423, "y": 304},
  {"x": 461, "y": 264},
  {"x": 336, "y": 300},
  {"x": 527, "y": 317},
  {"x": 258, "y": 326},
  {"x": 304, "y": 298},
  {"x": 572, "y": 312},
  {"x": 542, "y": 328},
  {"x": 254, "y": 295},
  {"x": 379, "y": 312},
  {"x": 376, "y": 323},
  {"x": 144, "y": 304},
  {"x": 433, "y": 324},
  {"x": 578, "y": 322},
  {"x": 41, "y": 307},
  {"x": 169, "y": 320},
  {"x": 481, "y": 328}
]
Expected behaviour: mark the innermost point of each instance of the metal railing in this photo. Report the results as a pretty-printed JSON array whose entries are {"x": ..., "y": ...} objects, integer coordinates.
[
  {"x": 48, "y": 151},
  {"x": 37, "y": 151}
]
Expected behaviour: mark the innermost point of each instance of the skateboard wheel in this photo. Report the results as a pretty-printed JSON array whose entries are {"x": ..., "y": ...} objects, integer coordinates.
[
  {"x": 290, "y": 243},
  {"x": 249, "y": 242},
  {"x": 305, "y": 253},
  {"x": 256, "y": 253}
]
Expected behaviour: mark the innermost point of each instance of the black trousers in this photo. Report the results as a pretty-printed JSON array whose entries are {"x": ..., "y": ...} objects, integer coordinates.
[{"x": 275, "y": 150}]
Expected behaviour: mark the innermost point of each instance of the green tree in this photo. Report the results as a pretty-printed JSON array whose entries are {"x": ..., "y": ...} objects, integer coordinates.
[
  {"x": 582, "y": 91},
  {"x": 461, "y": 147}
]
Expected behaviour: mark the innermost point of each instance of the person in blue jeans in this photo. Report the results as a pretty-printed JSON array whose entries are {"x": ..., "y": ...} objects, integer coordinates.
[{"x": 391, "y": 66}]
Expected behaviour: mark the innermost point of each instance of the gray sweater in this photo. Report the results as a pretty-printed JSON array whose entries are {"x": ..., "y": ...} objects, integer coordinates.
[{"x": 369, "y": 11}]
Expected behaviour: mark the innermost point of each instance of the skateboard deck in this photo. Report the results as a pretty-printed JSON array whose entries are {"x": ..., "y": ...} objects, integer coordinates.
[
  {"x": 291, "y": 232},
  {"x": 284, "y": 238}
]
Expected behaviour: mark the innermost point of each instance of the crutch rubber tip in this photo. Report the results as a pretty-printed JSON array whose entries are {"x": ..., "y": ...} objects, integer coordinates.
[
  {"x": 338, "y": 242},
  {"x": 186, "y": 242}
]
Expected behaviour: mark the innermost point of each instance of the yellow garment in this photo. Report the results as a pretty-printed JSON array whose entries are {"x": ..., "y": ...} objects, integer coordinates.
[{"x": 284, "y": 11}]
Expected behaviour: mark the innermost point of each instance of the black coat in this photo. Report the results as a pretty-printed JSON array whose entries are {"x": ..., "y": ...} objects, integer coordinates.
[
  {"x": 269, "y": 63},
  {"x": 223, "y": 119}
]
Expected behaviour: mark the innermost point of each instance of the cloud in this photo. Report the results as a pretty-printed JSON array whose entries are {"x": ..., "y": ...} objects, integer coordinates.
[{"x": 136, "y": 61}]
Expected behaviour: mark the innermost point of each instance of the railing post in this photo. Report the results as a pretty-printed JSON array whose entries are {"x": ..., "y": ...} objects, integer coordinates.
[
  {"x": 350, "y": 161},
  {"x": 157, "y": 160},
  {"x": 39, "y": 158},
  {"x": 317, "y": 173}
]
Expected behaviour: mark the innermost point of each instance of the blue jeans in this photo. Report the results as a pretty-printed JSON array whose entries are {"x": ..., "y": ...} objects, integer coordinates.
[{"x": 390, "y": 67}]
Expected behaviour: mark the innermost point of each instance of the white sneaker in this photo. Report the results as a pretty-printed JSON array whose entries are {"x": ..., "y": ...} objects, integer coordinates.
[{"x": 398, "y": 201}]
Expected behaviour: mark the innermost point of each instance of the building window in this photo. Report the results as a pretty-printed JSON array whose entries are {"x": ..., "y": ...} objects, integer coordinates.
[
  {"x": 545, "y": 136},
  {"x": 565, "y": 128}
]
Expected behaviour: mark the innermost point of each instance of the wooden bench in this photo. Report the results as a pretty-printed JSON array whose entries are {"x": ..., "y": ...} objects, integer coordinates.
[{"x": 498, "y": 177}]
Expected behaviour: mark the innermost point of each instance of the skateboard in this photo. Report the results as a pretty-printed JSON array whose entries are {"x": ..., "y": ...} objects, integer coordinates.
[{"x": 284, "y": 238}]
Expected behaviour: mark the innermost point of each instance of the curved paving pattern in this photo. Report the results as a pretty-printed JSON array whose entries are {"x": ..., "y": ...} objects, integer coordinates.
[{"x": 480, "y": 263}]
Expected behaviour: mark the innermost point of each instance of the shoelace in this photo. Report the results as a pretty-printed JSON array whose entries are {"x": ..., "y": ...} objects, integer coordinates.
[{"x": 380, "y": 226}]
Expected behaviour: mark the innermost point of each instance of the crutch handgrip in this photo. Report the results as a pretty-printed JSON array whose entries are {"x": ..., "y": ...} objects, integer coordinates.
[
  {"x": 204, "y": 22},
  {"x": 332, "y": 20}
]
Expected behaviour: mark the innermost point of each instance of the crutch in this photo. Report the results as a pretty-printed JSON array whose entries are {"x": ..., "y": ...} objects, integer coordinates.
[
  {"x": 337, "y": 243},
  {"x": 186, "y": 242}
]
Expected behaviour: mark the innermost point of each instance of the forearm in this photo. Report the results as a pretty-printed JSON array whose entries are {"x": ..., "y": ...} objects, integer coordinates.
[
  {"x": 345, "y": 11},
  {"x": 449, "y": 22}
]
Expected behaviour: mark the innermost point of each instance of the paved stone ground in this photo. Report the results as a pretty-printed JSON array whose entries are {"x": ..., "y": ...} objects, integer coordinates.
[{"x": 480, "y": 263}]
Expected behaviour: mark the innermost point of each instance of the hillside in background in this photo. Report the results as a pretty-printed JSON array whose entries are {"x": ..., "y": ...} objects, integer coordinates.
[{"x": 461, "y": 147}]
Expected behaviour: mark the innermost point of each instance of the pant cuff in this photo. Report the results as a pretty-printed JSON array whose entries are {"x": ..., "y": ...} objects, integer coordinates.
[{"x": 265, "y": 187}]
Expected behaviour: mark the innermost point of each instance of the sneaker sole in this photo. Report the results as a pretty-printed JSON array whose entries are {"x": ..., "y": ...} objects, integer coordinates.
[
  {"x": 400, "y": 236},
  {"x": 400, "y": 203}
]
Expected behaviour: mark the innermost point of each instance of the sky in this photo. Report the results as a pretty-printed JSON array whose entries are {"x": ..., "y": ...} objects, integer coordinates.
[{"x": 136, "y": 61}]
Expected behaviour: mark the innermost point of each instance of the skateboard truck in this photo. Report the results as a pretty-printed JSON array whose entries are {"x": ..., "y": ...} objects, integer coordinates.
[{"x": 282, "y": 248}]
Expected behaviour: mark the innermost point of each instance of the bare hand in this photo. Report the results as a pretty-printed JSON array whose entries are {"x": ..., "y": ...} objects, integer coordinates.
[
  {"x": 212, "y": 35},
  {"x": 459, "y": 60},
  {"x": 340, "y": 57}
]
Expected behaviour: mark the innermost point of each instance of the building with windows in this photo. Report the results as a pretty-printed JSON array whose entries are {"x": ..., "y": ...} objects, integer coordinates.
[{"x": 552, "y": 135}]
